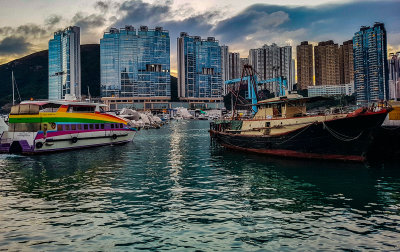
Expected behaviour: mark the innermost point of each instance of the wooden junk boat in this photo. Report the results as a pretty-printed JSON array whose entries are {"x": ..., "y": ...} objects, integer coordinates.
[{"x": 282, "y": 127}]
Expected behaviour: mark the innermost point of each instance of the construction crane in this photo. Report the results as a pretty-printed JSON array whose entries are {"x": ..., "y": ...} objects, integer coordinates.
[{"x": 249, "y": 77}]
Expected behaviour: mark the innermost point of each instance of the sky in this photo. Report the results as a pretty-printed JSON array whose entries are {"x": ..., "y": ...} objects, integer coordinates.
[{"x": 27, "y": 25}]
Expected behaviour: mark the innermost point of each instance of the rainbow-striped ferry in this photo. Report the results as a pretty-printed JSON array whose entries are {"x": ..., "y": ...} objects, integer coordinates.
[{"x": 48, "y": 126}]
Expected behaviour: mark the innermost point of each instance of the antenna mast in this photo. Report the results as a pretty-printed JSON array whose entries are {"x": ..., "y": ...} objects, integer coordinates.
[
  {"x": 13, "y": 92},
  {"x": 88, "y": 92}
]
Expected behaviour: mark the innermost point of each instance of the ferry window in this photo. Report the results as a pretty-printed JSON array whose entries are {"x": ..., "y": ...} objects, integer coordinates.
[
  {"x": 50, "y": 107},
  {"x": 91, "y": 126},
  {"x": 73, "y": 127},
  {"x": 82, "y": 109},
  {"x": 79, "y": 126},
  {"x": 97, "y": 126},
  {"x": 102, "y": 126},
  {"x": 85, "y": 127},
  {"x": 121, "y": 125},
  {"x": 25, "y": 109},
  {"x": 66, "y": 126},
  {"x": 59, "y": 127},
  {"x": 112, "y": 126}
]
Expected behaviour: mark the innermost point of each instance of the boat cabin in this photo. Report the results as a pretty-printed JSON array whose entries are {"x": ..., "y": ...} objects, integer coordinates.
[
  {"x": 30, "y": 116},
  {"x": 289, "y": 106},
  {"x": 36, "y": 107}
]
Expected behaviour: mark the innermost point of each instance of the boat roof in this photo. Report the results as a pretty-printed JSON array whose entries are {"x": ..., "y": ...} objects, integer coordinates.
[
  {"x": 63, "y": 102},
  {"x": 290, "y": 98}
]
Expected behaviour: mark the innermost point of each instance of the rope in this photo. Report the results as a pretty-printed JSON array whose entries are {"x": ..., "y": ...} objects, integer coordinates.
[
  {"x": 304, "y": 129},
  {"x": 390, "y": 127},
  {"x": 340, "y": 136}
]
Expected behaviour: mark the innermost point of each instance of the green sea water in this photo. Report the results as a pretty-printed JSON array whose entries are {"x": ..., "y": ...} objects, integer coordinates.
[{"x": 175, "y": 189}]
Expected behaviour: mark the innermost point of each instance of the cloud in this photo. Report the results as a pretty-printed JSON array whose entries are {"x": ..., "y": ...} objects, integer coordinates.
[
  {"x": 33, "y": 30},
  {"x": 27, "y": 30},
  {"x": 251, "y": 27},
  {"x": 262, "y": 23},
  {"x": 88, "y": 22},
  {"x": 137, "y": 11},
  {"x": 53, "y": 20},
  {"x": 251, "y": 20},
  {"x": 14, "y": 46},
  {"x": 103, "y": 6}
]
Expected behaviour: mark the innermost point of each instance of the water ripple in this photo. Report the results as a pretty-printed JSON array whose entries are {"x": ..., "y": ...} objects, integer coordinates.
[{"x": 173, "y": 189}]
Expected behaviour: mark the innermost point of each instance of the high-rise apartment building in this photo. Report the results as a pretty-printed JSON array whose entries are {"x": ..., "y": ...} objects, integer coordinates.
[
  {"x": 65, "y": 64},
  {"x": 234, "y": 65},
  {"x": 305, "y": 71},
  {"x": 257, "y": 61},
  {"x": 272, "y": 61},
  {"x": 371, "y": 76},
  {"x": 286, "y": 65},
  {"x": 326, "y": 61},
  {"x": 224, "y": 67},
  {"x": 243, "y": 62},
  {"x": 135, "y": 63},
  {"x": 293, "y": 74},
  {"x": 346, "y": 62},
  {"x": 199, "y": 67},
  {"x": 394, "y": 75}
]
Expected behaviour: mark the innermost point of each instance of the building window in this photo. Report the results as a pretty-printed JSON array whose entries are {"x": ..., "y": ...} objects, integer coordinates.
[
  {"x": 153, "y": 68},
  {"x": 207, "y": 70}
]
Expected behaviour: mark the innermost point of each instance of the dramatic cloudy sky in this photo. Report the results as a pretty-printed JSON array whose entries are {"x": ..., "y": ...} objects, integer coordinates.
[{"x": 27, "y": 25}]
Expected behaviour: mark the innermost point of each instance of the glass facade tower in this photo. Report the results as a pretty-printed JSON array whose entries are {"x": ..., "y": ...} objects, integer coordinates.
[
  {"x": 135, "y": 63},
  {"x": 65, "y": 64},
  {"x": 371, "y": 77},
  {"x": 199, "y": 67}
]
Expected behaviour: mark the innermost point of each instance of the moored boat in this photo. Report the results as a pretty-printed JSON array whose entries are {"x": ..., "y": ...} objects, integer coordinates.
[
  {"x": 48, "y": 126},
  {"x": 282, "y": 127}
]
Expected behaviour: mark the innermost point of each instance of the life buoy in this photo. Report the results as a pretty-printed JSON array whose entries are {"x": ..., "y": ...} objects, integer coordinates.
[
  {"x": 114, "y": 136},
  {"x": 39, "y": 145},
  {"x": 74, "y": 139}
]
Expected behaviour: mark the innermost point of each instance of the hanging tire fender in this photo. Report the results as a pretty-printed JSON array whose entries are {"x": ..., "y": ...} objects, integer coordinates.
[
  {"x": 39, "y": 145},
  {"x": 74, "y": 140},
  {"x": 114, "y": 136}
]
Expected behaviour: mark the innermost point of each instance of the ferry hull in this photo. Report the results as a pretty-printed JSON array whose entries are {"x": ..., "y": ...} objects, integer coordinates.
[
  {"x": 347, "y": 139},
  {"x": 29, "y": 143}
]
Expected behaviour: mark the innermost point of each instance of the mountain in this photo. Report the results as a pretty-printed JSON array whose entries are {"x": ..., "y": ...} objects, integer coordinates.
[{"x": 31, "y": 76}]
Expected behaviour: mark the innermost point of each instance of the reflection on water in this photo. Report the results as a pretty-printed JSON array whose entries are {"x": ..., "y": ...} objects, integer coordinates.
[{"x": 174, "y": 189}]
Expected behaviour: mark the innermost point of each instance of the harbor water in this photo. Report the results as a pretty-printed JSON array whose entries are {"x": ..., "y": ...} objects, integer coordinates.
[{"x": 174, "y": 189}]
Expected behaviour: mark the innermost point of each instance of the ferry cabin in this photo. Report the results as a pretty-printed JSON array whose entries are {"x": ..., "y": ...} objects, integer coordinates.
[{"x": 61, "y": 116}]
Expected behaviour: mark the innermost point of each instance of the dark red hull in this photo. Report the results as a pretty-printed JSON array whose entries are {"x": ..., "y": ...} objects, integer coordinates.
[{"x": 341, "y": 139}]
